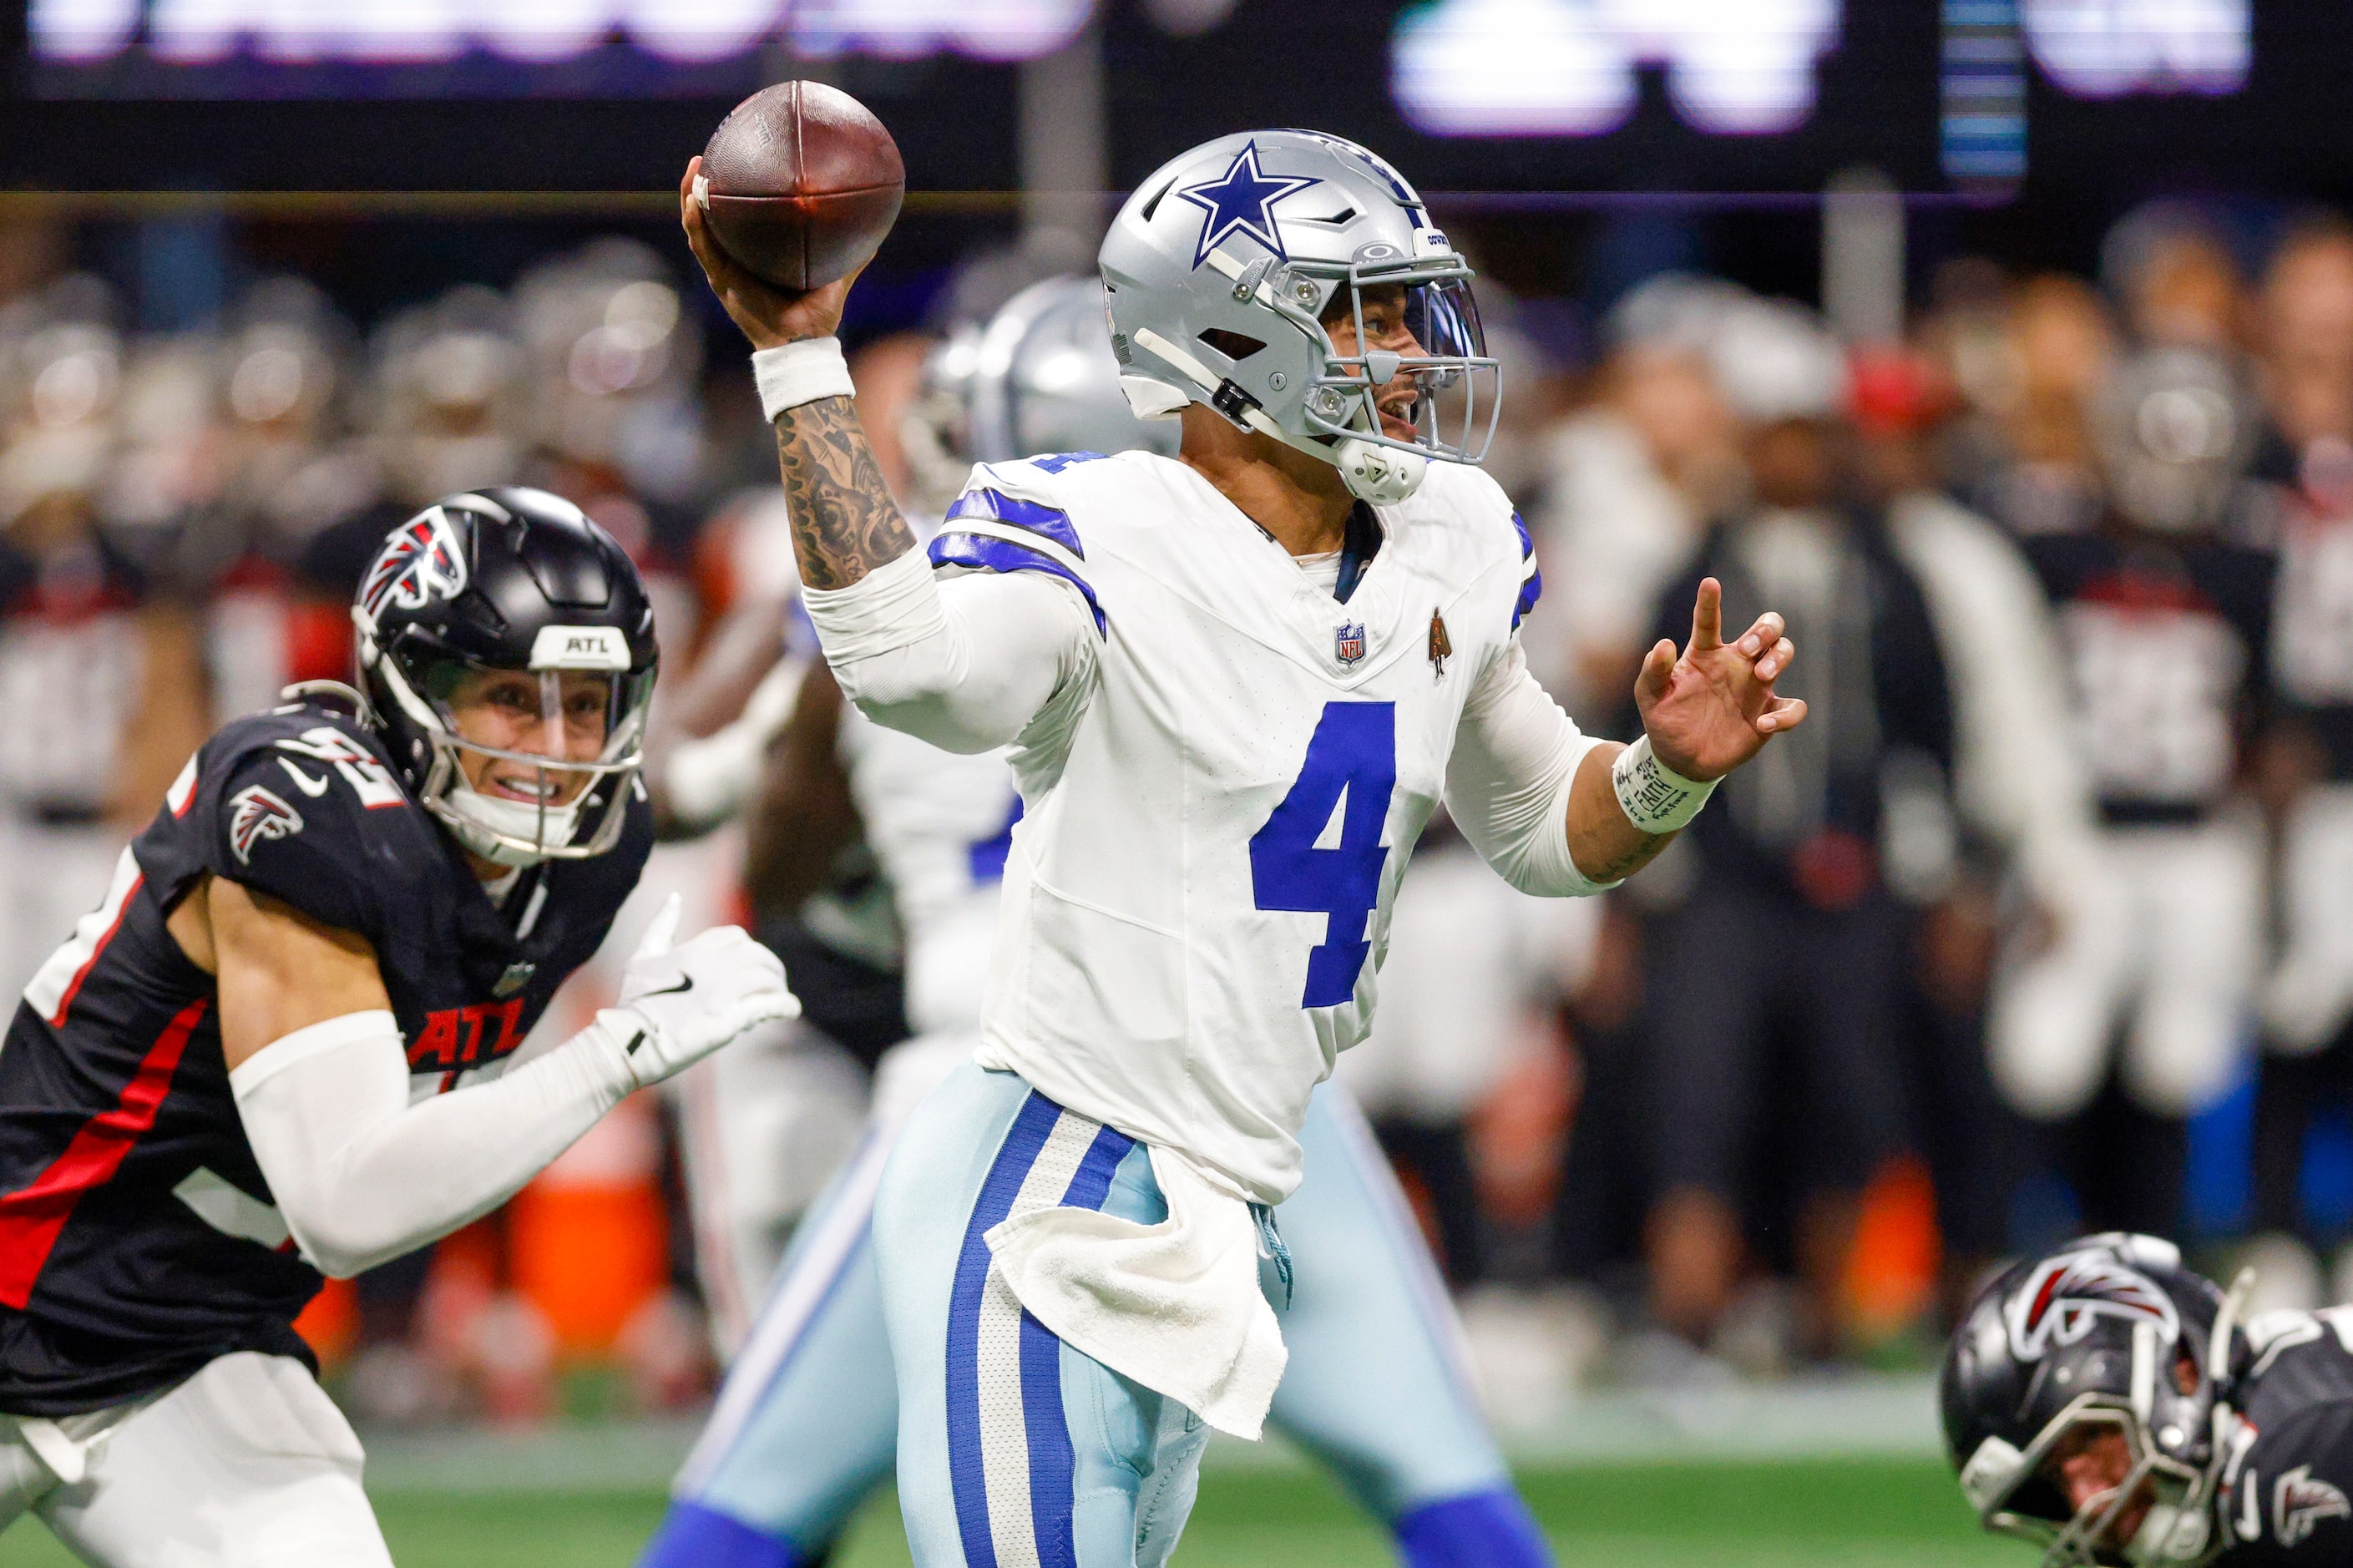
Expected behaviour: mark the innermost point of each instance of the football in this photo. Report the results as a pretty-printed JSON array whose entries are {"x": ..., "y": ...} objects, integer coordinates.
[{"x": 800, "y": 182}]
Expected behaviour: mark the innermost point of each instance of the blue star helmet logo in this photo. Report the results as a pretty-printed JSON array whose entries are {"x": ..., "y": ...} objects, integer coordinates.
[{"x": 1242, "y": 200}]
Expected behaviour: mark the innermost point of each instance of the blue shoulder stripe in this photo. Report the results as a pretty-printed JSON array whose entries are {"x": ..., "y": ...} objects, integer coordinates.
[
  {"x": 987, "y": 553},
  {"x": 1532, "y": 585},
  {"x": 1035, "y": 516}
]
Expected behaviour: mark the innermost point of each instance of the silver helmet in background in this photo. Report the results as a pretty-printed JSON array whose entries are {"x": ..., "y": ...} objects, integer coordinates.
[
  {"x": 1043, "y": 378},
  {"x": 1038, "y": 376}
]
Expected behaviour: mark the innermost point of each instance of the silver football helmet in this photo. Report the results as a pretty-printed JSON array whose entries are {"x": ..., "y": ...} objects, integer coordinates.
[
  {"x": 1221, "y": 268},
  {"x": 1044, "y": 379},
  {"x": 1038, "y": 376}
]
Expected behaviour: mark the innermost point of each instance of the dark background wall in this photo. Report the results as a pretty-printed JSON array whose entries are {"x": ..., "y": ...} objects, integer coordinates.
[{"x": 1557, "y": 214}]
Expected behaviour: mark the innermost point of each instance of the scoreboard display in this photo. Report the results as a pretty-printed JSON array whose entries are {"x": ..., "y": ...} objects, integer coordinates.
[{"x": 1962, "y": 97}]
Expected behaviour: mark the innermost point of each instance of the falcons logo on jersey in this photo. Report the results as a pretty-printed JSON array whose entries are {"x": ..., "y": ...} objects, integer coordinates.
[
  {"x": 420, "y": 563},
  {"x": 2067, "y": 1294},
  {"x": 255, "y": 814},
  {"x": 2299, "y": 1503}
]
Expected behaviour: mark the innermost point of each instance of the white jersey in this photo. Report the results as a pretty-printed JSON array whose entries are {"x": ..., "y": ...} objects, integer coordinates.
[
  {"x": 1223, "y": 789},
  {"x": 941, "y": 826}
]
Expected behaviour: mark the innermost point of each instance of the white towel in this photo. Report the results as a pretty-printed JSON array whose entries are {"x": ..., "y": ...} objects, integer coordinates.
[{"x": 1176, "y": 1305}]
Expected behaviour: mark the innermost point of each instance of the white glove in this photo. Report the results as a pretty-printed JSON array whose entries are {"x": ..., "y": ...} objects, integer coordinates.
[{"x": 677, "y": 1005}]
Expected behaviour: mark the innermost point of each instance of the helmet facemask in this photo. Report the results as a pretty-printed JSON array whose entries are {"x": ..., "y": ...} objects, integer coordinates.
[
  {"x": 1454, "y": 420},
  {"x": 590, "y": 716},
  {"x": 2026, "y": 1494},
  {"x": 1339, "y": 408}
]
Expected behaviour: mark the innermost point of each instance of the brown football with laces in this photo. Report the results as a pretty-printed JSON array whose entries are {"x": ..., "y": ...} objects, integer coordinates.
[{"x": 800, "y": 184}]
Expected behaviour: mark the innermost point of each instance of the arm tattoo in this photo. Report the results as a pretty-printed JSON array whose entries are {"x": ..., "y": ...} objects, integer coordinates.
[
  {"x": 845, "y": 524},
  {"x": 1632, "y": 860}
]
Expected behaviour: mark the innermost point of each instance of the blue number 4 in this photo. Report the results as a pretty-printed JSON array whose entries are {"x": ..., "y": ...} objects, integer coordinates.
[{"x": 1353, "y": 753}]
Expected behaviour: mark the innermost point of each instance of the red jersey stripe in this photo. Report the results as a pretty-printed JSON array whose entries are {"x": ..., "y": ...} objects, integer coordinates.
[{"x": 32, "y": 1218}]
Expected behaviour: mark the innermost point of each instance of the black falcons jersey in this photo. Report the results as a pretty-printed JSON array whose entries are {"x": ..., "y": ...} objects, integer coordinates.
[
  {"x": 137, "y": 1237},
  {"x": 2167, "y": 640},
  {"x": 2288, "y": 1470}
]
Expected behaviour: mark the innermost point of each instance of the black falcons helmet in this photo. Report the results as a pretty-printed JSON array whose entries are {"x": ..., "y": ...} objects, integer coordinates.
[
  {"x": 2107, "y": 1333},
  {"x": 516, "y": 580}
]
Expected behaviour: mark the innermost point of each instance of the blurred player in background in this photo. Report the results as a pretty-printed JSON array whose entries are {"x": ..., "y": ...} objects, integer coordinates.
[
  {"x": 1150, "y": 948},
  {"x": 764, "y": 1126},
  {"x": 2306, "y": 778},
  {"x": 2165, "y": 615},
  {"x": 1830, "y": 842},
  {"x": 807, "y": 1427},
  {"x": 236, "y": 1075},
  {"x": 100, "y": 693}
]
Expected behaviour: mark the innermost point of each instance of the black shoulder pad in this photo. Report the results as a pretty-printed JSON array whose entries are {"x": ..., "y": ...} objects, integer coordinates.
[{"x": 299, "y": 804}]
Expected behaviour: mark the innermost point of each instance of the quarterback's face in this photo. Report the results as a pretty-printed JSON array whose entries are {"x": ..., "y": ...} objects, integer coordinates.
[
  {"x": 1385, "y": 331},
  {"x": 510, "y": 710}
]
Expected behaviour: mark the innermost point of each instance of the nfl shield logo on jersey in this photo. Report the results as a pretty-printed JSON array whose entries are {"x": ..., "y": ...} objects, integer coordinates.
[{"x": 1348, "y": 642}]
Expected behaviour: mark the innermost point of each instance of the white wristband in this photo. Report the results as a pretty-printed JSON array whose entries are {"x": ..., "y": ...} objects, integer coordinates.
[
  {"x": 800, "y": 372},
  {"x": 1656, "y": 797}
]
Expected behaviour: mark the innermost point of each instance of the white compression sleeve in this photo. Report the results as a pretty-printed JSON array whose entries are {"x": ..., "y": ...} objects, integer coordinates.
[
  {"x": 964, "y": 664},
  {"x": 361, "y": 1176},
  {"x": 1507, "y": 785}
]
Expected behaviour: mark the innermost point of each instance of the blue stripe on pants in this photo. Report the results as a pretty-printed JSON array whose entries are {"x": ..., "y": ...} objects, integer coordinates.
[
  {"x": 1051, "y": 1460},
  {"x": 1013, "y": 1158},
  {"x": 1045, "y": 1435}
]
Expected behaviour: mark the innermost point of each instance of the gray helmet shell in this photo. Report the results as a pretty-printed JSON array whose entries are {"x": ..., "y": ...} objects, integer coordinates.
[
  {"x": 1044, "y": 379},
  {"x": 1217, "y": 273}
]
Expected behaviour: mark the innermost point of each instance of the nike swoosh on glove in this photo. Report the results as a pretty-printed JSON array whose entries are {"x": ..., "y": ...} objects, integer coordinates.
[{"x": 677, "y": 1005}]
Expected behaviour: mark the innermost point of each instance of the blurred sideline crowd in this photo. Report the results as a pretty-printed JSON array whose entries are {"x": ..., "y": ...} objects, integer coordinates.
[{"x": 2043, "y": 924}]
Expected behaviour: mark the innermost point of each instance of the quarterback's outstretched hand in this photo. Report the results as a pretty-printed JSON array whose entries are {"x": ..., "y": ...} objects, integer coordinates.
[
  {"x": 677, "y": 1005},
  {"x": 1712, "y": 709},
  {"x": 769, "y": 316}
]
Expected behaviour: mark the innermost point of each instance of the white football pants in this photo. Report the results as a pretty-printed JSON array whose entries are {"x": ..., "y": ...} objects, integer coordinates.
[
  {"x": 2163, "y": 939},
  {"x": 247, "y": 1465}
]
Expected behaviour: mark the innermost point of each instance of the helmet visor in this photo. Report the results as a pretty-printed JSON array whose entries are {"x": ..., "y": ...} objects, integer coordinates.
[
  {"x": 1443, "y": 317},
  {"x": 533, "y": 748},
  {"x": 575, "y": 721}
]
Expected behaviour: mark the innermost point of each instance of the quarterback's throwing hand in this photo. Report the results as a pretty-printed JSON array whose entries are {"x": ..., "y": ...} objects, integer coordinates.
[
  {"x": 1714, "y": 708},
  {"x": 768, "y": 316},
  {"x": 677, "y": 1005}
]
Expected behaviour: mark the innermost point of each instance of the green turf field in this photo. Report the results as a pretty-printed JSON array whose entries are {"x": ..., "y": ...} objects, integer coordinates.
[{"x": 1854, "y": 1513}]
